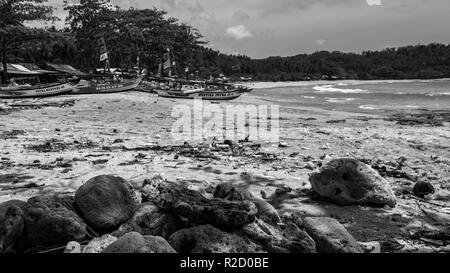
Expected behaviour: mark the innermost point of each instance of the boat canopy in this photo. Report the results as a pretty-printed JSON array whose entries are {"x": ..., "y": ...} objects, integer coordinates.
[
  {"x": 65, "y": 69},
  {"x": 18, "y": 69},
  {"x": 35, "y": 68}
]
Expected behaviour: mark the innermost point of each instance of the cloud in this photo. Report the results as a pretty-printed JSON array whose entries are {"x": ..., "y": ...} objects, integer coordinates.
[{"x": 239, "y": 32}]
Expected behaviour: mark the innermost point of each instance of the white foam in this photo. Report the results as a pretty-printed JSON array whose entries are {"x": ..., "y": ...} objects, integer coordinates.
[
  {"x": 336, "y": 100},
  {"x": 332, "y": 88},
  {"x": 368, "y": 107},
  {"x": 309, "y": 97}
]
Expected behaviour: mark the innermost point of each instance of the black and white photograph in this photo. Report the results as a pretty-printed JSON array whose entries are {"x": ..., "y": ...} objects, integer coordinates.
[{"x": 198, "y": 127}]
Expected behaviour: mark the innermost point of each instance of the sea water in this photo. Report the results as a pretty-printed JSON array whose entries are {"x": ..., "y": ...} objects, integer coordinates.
[{"x": 360, "y": 96}]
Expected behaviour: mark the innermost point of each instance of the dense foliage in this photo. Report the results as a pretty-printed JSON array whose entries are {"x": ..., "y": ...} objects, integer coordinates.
[
  {"x": 13, "y": 15},
  {"x": 141, "y": 38},
  {"x": 421, "y": 61}
]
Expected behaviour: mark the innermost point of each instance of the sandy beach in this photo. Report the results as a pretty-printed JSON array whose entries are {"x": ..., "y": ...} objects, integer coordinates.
[{"x": 57, "y": 147}]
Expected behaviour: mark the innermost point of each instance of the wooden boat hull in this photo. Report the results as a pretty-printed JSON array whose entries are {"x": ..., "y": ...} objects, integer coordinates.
[
  {"x": 93, "y": 88},
  {"x": 37, "y": 92},
  {"x": 205, "y": 95}
]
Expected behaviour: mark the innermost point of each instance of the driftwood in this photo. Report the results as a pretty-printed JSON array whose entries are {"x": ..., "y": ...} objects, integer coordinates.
[{"x": 198, "y": 209}]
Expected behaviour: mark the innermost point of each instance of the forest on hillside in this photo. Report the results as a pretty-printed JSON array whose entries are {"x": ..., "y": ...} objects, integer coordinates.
[{"x": 142, "y": 37}]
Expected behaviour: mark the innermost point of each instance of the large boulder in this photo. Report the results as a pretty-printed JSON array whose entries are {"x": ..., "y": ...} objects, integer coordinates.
[
  {"x": 198, "y": 209},
  {"x": 208, "y": 239},
  {"x": 276, "y": 239},
  {"x": 150, "y": 220},
  {"x": 351, "y": 182},
  {"x": 330, "y": 236},
  {"x": 134, "y": 242},
  {"x": 106, "y": 201},
  {"x": 50, "y": 220},
  {"x": 266, "y": 211},
  {"x": 11, "y": 227}
]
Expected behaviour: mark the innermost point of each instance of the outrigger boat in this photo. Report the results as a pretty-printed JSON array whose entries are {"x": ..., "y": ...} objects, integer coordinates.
[
  {"x": 108, "y": 86},
  {"x": 184, "y": 89},
  {"x": 37, "y": 91}
]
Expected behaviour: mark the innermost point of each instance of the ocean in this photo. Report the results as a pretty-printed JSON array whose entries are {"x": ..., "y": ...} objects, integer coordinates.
[{"x": 360, "y": 96}]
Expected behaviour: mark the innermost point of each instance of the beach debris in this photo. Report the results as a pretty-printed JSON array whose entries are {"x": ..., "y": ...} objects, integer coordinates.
[
  {"x": 150, "y": 220},
  {"x": 11, "y": 226},
  {"x": 51, "y": 220},
  {"x": 100, "y": 161},
  {"x": 197, "y": 208},
  {"x": 330, "y": 236},
  {"x": 11, "y": 134},
  {"x": 336, "y": 121},
  {"x": 266, "y": 211},
  {"x": 26, "y": 106},
  {"x": 134, "y": 242},
  {"x": 283, "y": 144},
  {"x": 25, "y": 186},
  {"x": 276, "y": 239},
  {"x": 73, "y": 248},
  {"x": 54, "y": 145},
  {"x": 106, "y": 201},
  {"x": 97, "y": 245},
  {"x": 208, "y": 239},
  {"x": 422, "y": 189},
  {"x": 351, "y": 182},
  {"x": 422, "y": 118},
  {"x": 435, "y": 237}
]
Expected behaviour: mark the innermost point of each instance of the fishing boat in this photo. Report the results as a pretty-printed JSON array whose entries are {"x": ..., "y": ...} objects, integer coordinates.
[
  {"x": 101, "y": 86},
  {"x": 40, "y": 90},
  {"x": 183, "y": 89}
]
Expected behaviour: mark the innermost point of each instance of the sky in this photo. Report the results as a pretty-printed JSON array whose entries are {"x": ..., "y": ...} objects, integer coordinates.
[{"x": 262, "y": 28}]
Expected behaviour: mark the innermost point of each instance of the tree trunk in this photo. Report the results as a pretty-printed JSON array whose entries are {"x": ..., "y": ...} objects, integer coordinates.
[{"x": 4, "y": 60}]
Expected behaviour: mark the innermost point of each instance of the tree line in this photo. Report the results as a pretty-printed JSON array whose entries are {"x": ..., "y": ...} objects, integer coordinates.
[{"x": 137, "y": 37}]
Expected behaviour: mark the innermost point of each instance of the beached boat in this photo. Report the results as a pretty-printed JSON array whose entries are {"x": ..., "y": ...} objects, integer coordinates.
[
  {"x": 200, "y": 94},
  {"x": 185, "y": 89},
  {"x": 38, "y": 91},
  {"x": 109, "y": 86}
]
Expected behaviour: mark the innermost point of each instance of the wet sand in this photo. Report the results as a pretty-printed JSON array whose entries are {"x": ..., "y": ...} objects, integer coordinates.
[{"x": 56, "y": 149}]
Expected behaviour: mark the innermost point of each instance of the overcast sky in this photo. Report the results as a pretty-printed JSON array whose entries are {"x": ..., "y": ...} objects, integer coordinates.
[{"x": 261, "y": 28}]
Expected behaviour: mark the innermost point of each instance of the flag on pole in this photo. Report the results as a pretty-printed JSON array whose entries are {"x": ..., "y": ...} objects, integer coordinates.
[
  {"x": 103, "y": 57},
  {"x": 102, "y": 48}
]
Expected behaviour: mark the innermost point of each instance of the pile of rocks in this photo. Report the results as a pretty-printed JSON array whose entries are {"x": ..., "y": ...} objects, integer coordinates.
[{"x": 107, "y": 215}]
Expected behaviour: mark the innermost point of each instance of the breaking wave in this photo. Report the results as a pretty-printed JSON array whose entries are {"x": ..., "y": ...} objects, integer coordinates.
[
  {"x": 336, "y": 100},
  {"x": 332, "y": 88}
]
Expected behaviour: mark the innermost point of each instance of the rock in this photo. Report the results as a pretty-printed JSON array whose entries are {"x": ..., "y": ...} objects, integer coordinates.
[
  {"x": 287, "y": 239},
  {"x": 134, "y": 242},
  {"x": 6, "y": 205},
  {"x": 150, "y": 220},
  {"x": 97, "y": 245},
  {"x": 198, "y": 209},
  {"x": 351, "y": 182},
  {"x": 371, "y": 247},
  {"x": 11, "y": 228},
  {"x": 266, "y": 211},
  {"x": 208, "y": 239},
  {"x": 422, "y": 189},
  {"x": 73, "y": 247},
  {"x": 330, "y": 236},
  {"x": 50, "y": 221},
  {"x": 106, "y": 201}
]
